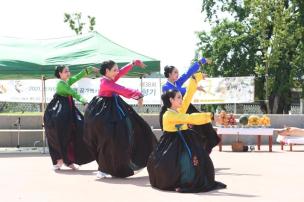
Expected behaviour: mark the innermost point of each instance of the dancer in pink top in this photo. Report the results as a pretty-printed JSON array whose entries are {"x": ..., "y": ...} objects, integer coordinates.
[
  {"x": 118, "y": 137},
  {"x": 109, "y": 88}
]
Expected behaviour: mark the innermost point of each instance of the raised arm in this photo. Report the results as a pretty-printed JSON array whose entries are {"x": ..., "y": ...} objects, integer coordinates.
[
  {"x": 80, "y": 75},
  {"x": 64, "y": 89},
  {"x": 124, "y": 70},
  {"x": 192, "y": 70},
  {"x": 191, "y": 88},
  {"x": 194, "y": 118},
  {"x": 121, "y": 90}
]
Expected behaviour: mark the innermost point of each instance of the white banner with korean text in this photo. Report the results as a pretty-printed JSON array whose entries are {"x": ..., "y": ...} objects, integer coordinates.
[
  {"x": 225, "y": 90},
  {"x": 30, "y": 91},
  {"x": 215, "y": 90}
]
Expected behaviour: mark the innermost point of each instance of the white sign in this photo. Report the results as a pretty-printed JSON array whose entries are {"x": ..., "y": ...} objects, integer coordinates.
[
  {"x": 21, "y": 90},
  {"x": 151, "y": 89},
  {"x": 31, "y": 90},
  {"x": 217, "y": 90},
  {"x": 225, "y": 90}
]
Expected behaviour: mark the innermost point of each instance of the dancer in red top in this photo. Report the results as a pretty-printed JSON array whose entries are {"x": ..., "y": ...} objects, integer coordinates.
[{"x": 118, "y": 137}]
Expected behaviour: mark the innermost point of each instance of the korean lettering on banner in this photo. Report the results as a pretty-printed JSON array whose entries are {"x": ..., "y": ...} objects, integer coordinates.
[
  {"x": 86, "y": 87},
  {"x": 216, "y": 90},
  {"x": 151, "y": 90}
]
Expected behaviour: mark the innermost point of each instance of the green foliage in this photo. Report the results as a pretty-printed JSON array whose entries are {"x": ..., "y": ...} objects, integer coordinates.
[
  {"x": 264, "y": 38},
  {"x": 76, "y": 24}
]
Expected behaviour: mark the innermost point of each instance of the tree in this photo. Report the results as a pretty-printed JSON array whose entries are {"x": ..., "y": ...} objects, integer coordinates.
[
  {"x": 264, "y": 38},
  {"x": 76, "y": 24}
]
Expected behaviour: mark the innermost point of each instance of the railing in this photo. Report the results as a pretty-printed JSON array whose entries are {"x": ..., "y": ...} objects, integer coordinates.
[{"x": 231, "y": 108}]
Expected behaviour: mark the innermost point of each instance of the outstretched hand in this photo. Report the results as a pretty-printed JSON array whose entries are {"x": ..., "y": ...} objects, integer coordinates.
[
  {"x": 208, "y": 61},
  {"x": 139, "y": 63}
]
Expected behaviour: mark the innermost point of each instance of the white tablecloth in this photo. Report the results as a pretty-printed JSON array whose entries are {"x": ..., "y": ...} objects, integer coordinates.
[{"x": 245, "y": 131}]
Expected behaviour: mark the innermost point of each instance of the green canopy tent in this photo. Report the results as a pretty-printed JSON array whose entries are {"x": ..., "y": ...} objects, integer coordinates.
[{"x": 23, "y": 59}]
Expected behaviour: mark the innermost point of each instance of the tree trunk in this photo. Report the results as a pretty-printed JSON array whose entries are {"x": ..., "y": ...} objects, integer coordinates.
[{"x": 278, "y": 104}]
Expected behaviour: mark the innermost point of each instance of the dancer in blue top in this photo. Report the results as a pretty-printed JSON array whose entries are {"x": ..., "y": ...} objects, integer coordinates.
[{"x": 174, "y": 82}]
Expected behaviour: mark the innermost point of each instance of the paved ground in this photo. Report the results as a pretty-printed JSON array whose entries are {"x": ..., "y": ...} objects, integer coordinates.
[{"x": 251, "y": 176}]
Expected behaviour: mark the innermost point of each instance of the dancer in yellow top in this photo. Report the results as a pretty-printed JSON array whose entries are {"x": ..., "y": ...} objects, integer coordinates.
[
  {"x": 179, "y": 162},
  {"x": 176, "y": 114},
  {"x": 175, "y": 82}
]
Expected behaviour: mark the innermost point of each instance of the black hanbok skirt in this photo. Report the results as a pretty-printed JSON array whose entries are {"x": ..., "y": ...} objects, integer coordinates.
[
  {"x": 209, "y": 136},
  {"x": 118, "y": 137},
  {"x": 63, "y": 124},
  {"x": 178, "y": 163}
]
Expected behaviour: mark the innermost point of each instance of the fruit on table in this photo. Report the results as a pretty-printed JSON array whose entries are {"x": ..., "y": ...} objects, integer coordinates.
[
  {"x": 223, "y": 119},
  {"x": 264, "y": 121},
  {"x": 253, "y": 120},
  {"x": 231, "y": 119},
  {"x": 243, "y": 120}
]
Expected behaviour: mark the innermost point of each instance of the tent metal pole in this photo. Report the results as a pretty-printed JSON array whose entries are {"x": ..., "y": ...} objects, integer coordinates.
[{"x": 43, "y": 102}]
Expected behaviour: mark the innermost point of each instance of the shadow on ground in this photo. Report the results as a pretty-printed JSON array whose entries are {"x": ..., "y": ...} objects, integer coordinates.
[{"x": 142, "y": 181}]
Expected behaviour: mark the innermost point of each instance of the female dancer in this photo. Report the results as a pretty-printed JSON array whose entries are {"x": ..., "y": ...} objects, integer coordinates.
[
  {"x": 178, "y": 162},
  {"x": 210, "y": 138},
  {"x": 64, "y": 123},
  {"x": 118, "y": 137}
]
